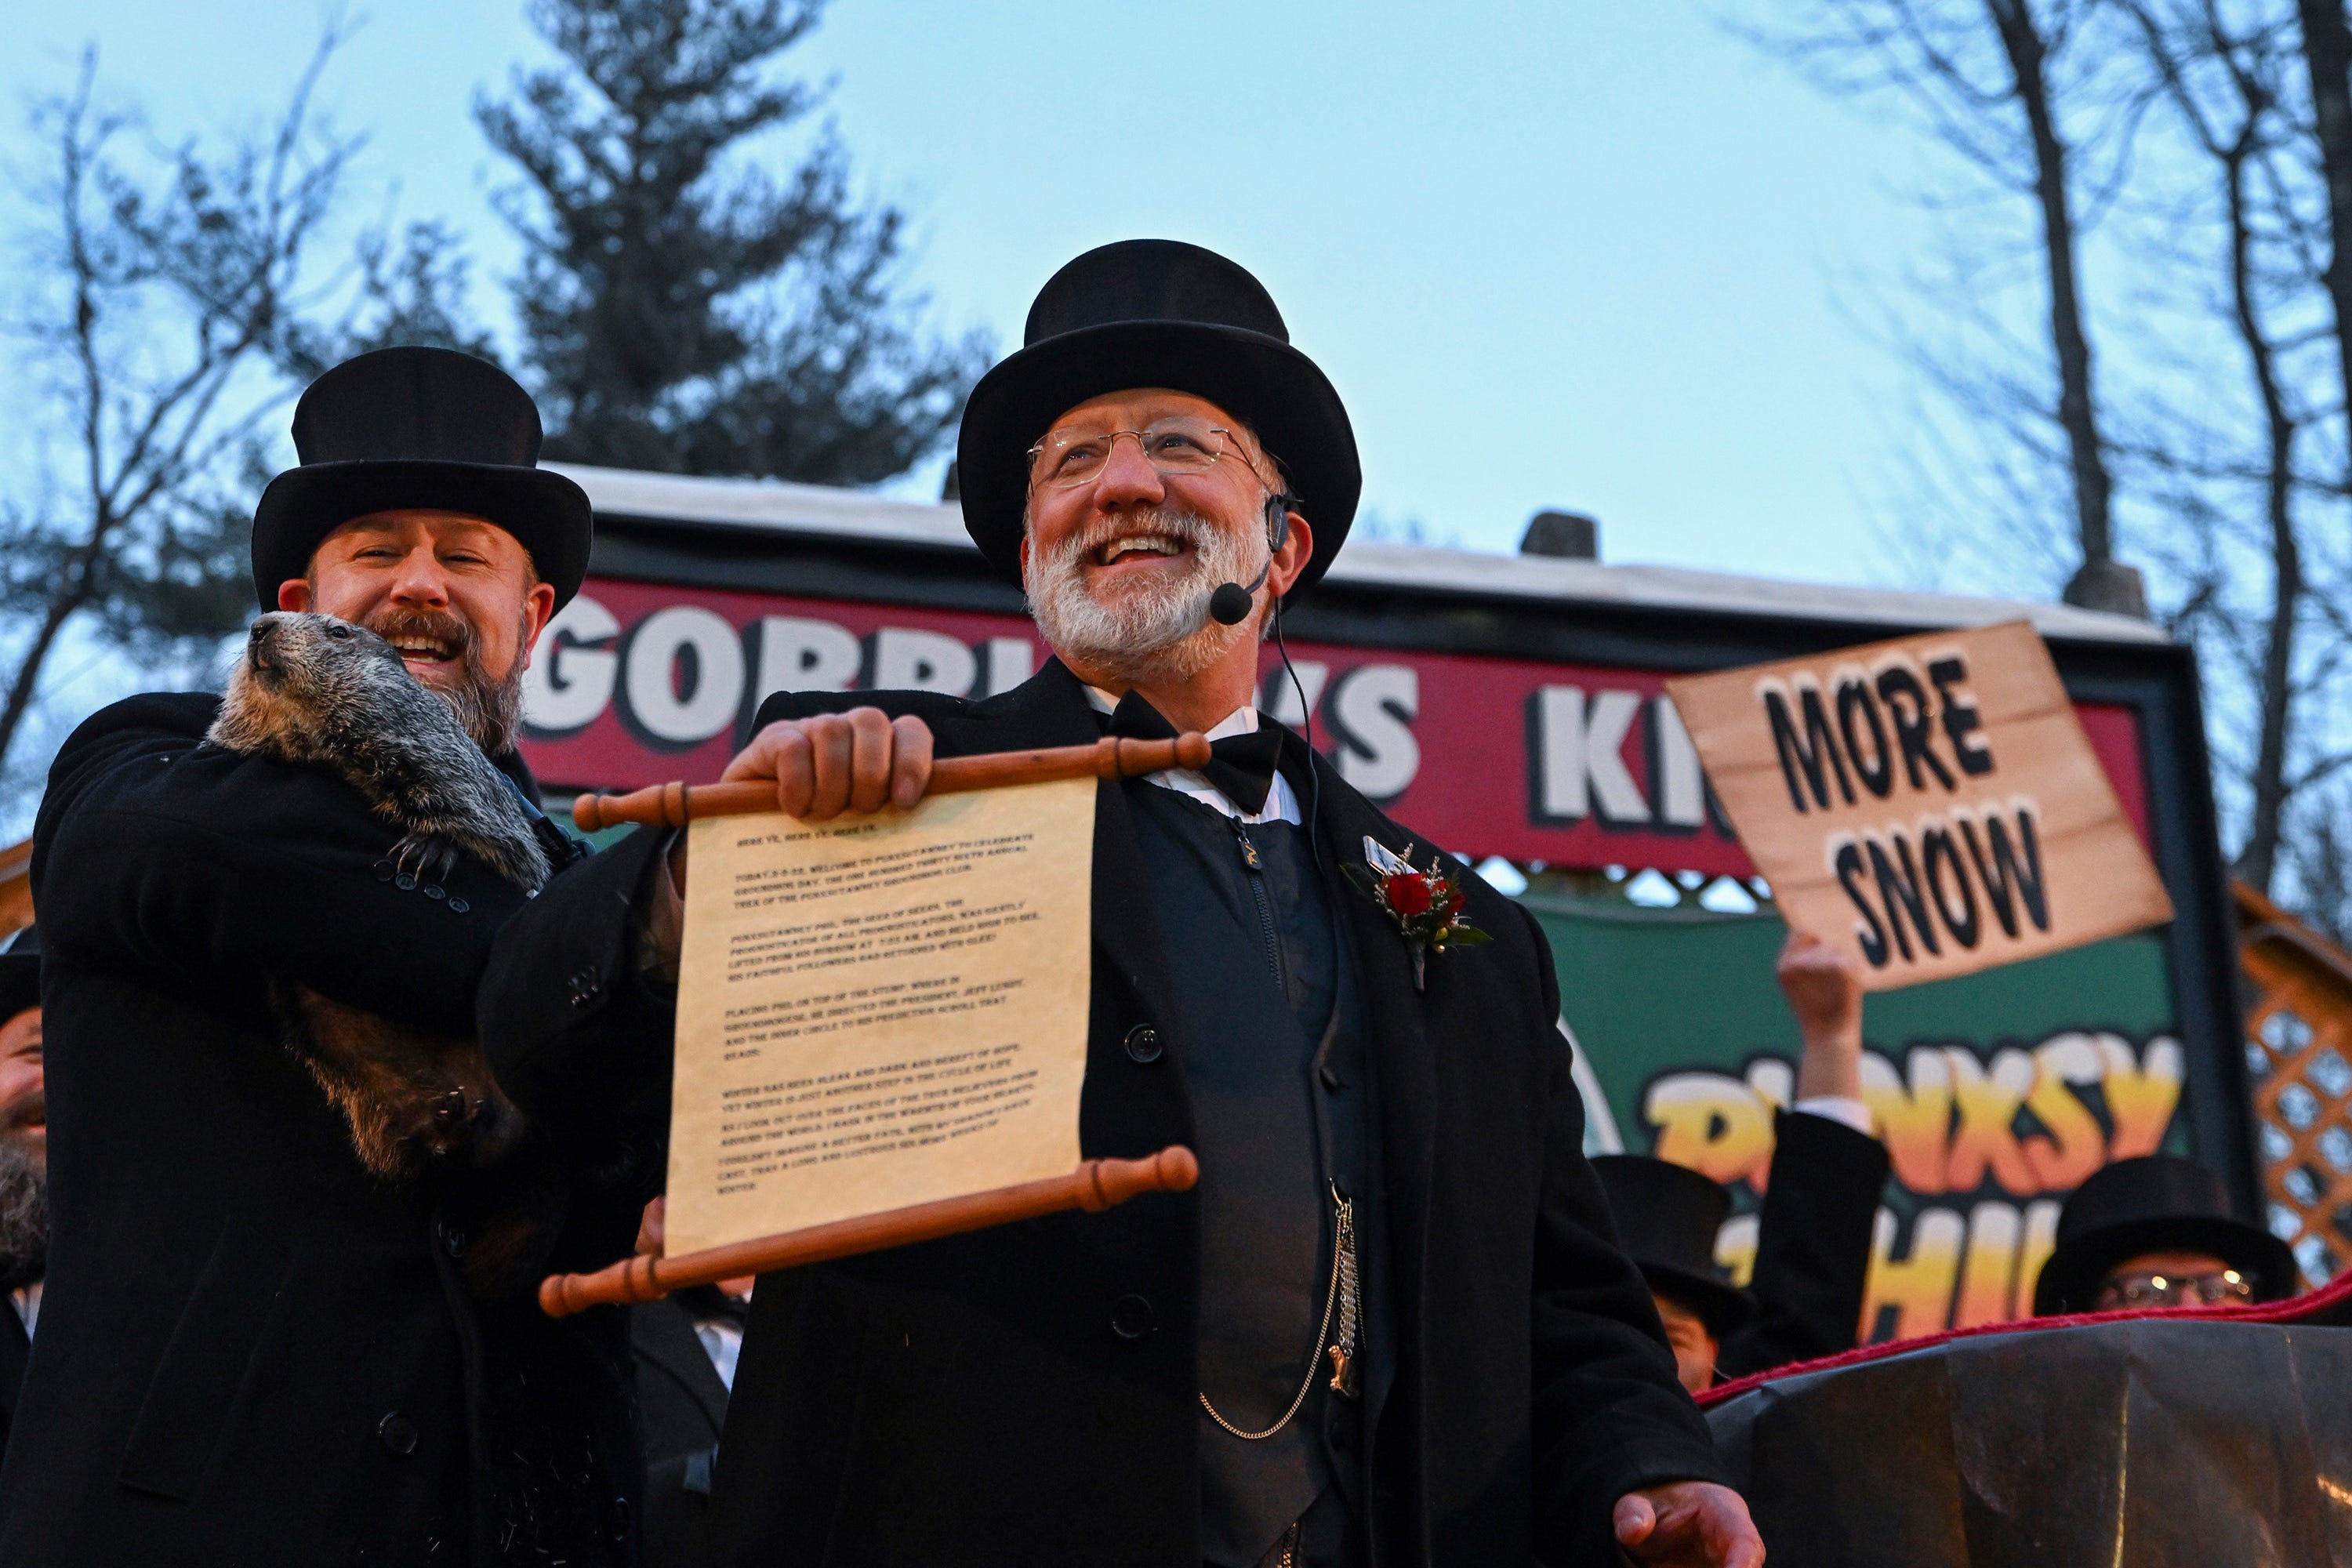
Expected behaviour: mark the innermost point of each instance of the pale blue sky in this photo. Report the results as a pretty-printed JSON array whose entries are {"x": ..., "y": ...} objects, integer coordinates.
[{"x": 1582, "y": 255}]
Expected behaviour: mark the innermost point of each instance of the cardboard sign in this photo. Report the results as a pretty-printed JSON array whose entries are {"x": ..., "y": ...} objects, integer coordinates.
[{"x": 1930, "y": 804}]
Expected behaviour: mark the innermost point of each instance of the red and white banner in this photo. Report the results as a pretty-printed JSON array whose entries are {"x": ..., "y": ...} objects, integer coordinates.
[{"x": 637, "y": 683}]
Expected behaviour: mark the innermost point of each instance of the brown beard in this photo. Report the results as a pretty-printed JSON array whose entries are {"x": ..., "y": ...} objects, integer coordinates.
[
  {"x": 489, "y": 710},
  {"x": 23, "y": 1210}
]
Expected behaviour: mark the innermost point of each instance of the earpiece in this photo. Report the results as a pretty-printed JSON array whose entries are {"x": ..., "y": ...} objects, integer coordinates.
[
  {"x": 1229, "y": 604},
  {"x": 1277, "y": 520}
]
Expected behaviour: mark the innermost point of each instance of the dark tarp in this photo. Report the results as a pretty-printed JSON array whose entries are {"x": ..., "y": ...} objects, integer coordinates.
[{"x": 2154, "y": 1441}]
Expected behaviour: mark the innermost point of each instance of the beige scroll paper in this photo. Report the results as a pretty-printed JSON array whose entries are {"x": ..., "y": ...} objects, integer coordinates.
[
  {"x": 878, "y": 1012},
  {"x": 1930, "y": 804}
]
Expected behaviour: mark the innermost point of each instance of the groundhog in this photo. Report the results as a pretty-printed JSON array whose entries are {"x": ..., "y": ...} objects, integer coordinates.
[
  {"x": 311, "y": 689},
  {"x": 425, "y": 1111}
]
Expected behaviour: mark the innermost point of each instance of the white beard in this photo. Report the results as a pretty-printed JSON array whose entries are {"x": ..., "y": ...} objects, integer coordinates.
[{"x": 1157, "y": 633}]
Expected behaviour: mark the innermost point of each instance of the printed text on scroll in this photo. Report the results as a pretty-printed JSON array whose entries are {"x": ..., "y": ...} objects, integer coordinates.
[{"x": 878, "y": 1011}]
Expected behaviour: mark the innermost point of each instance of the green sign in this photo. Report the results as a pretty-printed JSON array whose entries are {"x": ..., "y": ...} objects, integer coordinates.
[{"x": 1996, "y": 1093}]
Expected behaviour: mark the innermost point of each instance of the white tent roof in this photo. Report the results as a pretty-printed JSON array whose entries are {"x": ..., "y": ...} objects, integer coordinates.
[{"x": 761, "y": 505}]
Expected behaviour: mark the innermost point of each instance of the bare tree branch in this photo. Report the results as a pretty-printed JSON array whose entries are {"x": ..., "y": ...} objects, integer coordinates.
[{"x": 177, "y": 304}]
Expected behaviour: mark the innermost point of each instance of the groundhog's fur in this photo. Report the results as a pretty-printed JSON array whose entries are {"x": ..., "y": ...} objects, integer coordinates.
[
  {"x": 312, "y": 688},
  {"x": 423, "y": 1106},
  {"x": 425, "y": 1111},
  {"x": 425, "y": 1115}
]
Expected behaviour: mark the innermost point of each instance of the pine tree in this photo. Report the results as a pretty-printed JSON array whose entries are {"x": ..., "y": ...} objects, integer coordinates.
[{"x": 686, "y": 315}]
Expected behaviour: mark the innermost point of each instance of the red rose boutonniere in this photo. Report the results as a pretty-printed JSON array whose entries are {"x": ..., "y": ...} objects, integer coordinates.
[{"x": 1425, "y": 905}]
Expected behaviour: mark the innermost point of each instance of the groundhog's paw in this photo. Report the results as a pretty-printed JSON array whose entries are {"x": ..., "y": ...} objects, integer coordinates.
[{"x": 428, "y": 857}]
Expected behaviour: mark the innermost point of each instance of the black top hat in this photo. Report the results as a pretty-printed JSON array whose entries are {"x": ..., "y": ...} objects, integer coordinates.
[
  {"x": 1156, "y": 312},
  {"x": 2155, "y": 1202},
  {"x": 424, "y": 429},
  {"x": 1667, "y": 1217},
  {"x": 20, "y": 974}
]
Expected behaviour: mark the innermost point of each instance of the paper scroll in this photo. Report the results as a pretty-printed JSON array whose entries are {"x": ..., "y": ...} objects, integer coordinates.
[{"x": 878, "y": 1011}]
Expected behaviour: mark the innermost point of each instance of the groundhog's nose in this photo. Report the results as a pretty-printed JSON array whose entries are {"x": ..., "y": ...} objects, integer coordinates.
[{"x": 258, "y": 643}]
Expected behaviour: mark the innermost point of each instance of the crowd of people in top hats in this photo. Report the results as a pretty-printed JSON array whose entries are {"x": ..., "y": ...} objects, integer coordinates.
[
  {"x": 269, "y": 1286},
  {"x": 2147, "y": 1232}
]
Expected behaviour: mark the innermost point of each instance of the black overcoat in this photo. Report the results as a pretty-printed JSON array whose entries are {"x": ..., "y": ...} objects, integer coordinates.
[
  {"x": 16, "y": 1349},
  {"x": 250, "y": 1350},
  {"x": 1026, "y": 1395},
  {"x": 1813, "y": 1249}
]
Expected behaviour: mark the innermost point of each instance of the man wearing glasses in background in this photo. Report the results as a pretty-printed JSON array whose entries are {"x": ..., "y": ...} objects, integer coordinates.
[
  {"x": 2157, "y": 1231},
  {"x": 1392, "y": 1324}
]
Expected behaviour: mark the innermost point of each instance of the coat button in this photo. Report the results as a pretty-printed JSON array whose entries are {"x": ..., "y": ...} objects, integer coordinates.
[
  {"x": 398, "y": 1434},
  {"x": 458, "y": 906},
  {"x": 435, "y": 891},
  {"x": 616, "y": 1520},
  {"x": 1143, "y": 1043},
  {"x": 1131, "y": 1318},
  {"x": 386, "y": 871},
  {"x": 453, "y": 1238}
]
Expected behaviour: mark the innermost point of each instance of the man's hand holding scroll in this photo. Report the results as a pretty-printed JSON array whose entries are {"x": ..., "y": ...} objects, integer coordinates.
[
  {"x": 823, "y": 765},
  {"x": 831, "y": 762}
]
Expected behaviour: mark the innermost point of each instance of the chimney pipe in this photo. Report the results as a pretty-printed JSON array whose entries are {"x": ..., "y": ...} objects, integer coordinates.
[{"x": 1570, "y": 535}]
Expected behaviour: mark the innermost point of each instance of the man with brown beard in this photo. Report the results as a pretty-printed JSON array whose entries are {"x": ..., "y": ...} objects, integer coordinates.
[
  {"x": 24, "y": 1164},
  {"x": 252, "y": 1350},
  {"x": 1387, "y": 1128}
]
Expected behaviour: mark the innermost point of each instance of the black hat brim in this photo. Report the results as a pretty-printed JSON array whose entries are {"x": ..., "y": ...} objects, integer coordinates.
[
  {"x": 20, "y": 982},
  {"x": 547, "y": 513},
  {"x": 1275, "y": 390},
  {"x": 1722, "y": 1308},
  {"x": 2069, "y": 1282}
]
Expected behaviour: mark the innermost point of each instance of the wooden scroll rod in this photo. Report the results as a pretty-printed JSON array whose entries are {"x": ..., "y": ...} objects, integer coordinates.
[
  {"x": 1094, "y": 1186},
  {"x": 1112, "y": 757}
]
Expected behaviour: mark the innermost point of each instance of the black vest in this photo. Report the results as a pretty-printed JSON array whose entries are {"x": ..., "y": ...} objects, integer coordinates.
[{"x": 1271, "y": 1035}]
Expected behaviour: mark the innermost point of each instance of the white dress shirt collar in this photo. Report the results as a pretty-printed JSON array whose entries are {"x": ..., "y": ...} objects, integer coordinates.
[{"x": 1281, "y": 803}]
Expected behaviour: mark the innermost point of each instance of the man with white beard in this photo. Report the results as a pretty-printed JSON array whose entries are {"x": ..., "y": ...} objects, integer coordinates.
[
  {"x": 1392, "y": 1323},
  {"x": 24, "y": 1163}
]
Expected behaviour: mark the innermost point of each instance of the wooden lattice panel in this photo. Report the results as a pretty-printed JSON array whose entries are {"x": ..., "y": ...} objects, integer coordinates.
[
  {"x": 16, "y": 888},
  {"x": 2299, "y": 1061}
]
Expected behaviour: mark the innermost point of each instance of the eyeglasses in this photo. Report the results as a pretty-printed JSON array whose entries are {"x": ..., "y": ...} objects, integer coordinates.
[
  {"x": 2151, "y": 1290},
  {"x": 1065, "y": 459}
]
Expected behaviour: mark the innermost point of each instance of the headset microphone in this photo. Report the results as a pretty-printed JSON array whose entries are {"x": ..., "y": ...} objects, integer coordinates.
[{"x": 1229, "y": 604}]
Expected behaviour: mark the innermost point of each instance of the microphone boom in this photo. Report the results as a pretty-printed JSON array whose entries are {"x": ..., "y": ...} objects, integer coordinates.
[{"x": 1228, "y": 603}]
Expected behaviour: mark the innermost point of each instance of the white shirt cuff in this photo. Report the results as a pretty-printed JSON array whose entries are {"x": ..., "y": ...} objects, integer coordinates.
[{"x": 1837, "y": 1108}]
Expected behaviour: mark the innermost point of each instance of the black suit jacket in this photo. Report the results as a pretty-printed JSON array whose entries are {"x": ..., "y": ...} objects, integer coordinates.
[
  {"x": 683, "y": 1406},
  {"x": 970, "y": 1400},
  {"x": 1812, "y": 1245},
  {"x": 16, "y": 1349},
  {"x": 251, "y": 1350}
]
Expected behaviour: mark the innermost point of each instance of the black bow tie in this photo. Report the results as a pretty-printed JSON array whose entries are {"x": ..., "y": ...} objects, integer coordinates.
[{"x": 1242, "y": 766}]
